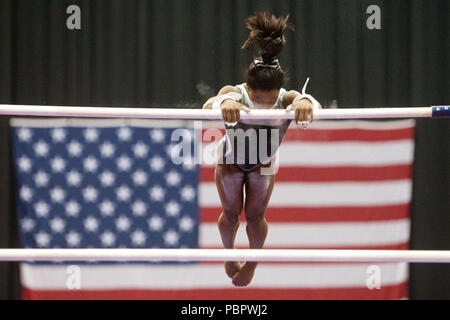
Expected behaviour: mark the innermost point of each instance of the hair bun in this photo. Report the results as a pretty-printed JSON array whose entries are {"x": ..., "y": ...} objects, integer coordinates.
[{"x": 267, "y": 33}]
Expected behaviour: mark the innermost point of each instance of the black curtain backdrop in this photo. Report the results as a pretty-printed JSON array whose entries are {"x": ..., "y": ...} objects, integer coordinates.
[{"x": 177, "y": 53}]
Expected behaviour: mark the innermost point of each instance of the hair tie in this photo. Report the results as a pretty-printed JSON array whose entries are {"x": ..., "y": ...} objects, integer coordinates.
[{"x": 266, "y": 62}]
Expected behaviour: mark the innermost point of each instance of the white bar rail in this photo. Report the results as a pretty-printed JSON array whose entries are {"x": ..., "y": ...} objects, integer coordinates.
[
  {"x": 310, "y": 255},
  {"x": 166, "y": 113}
]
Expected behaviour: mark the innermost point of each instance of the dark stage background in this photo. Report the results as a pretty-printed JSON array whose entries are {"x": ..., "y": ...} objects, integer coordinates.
[{"x": 170, "y": 53}]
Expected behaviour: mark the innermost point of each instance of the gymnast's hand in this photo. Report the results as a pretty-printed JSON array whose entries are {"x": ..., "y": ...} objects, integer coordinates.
[
  {"x": 303, "y": 111},
  {"x": 231, "y": 111}
]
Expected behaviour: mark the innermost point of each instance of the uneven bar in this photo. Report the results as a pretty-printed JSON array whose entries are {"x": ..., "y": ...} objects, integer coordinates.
[
  {"x": 310, "y": 255},
  {"x": 166, "y": 113}
]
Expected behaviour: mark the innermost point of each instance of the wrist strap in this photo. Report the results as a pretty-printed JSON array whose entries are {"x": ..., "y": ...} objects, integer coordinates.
[{"x": 304, "y": 95}]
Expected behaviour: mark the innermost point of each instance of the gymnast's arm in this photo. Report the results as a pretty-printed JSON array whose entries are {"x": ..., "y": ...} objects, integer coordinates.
[
  {"x": 303, "y": 107},
  {"x": 290, "y": 96},
  {"x": 230, "y": 107},
  {"x": 227, "y": 89}
]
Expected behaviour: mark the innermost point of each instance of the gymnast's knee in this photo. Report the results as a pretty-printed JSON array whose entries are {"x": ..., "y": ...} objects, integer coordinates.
[
  {"x": 231, "y": 214},
  {"x": 255, "y": 218}
]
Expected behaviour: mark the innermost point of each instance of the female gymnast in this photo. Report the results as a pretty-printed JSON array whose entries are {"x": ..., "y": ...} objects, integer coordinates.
[{"x": 244, "y": 168}]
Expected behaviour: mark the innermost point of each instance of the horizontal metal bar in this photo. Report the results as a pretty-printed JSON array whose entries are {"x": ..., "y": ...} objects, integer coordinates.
[
  {"x": 311, "y": 255},
  {"x": 163, "y": 113}
]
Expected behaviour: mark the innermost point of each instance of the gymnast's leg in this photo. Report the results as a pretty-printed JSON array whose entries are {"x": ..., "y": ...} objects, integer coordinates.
[
  {"x": 258, "y": 189},
  {"x": 230, "y": 184}
]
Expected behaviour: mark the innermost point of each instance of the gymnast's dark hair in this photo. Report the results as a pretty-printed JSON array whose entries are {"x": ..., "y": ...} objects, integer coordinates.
[{"x": 267, "y": 35}]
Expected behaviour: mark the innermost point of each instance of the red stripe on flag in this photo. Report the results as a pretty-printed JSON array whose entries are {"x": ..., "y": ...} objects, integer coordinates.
[
  {"x": 397, "y": 291},
  {"x": 330, "y": 174},
  {"x": 321, "y": 214},
  {"x": 336, "y": 135}
]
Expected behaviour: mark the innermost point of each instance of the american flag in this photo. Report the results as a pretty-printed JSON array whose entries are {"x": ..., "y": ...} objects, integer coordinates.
[{"x": 111, "y": 184}]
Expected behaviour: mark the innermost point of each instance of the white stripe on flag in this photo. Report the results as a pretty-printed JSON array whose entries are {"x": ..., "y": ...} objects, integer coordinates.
[
  {"x": 325, "y": 194},
  {"x": 319, "y": 235},
  {"x": 39, "y": 277},
  {"x": 318, "y": 154}
]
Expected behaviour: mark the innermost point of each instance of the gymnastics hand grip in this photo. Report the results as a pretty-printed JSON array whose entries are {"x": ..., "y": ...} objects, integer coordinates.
[{"x": 440, "y": 112}]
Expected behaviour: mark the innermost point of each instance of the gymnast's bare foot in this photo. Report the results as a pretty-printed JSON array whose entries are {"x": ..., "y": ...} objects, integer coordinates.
[
  {"x": 231, "y": 268},
  {"x": 245, "y": 275}
]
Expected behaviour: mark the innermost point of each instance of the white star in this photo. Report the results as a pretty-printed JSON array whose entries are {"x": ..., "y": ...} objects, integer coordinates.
[
  {"x": 174, "y": 150},
  {"x": 107, "y": 238},
  {"x": 57, "y": 194},
  {"x": 171, "y": 238},
  {"x": 155, "y": 223},
  {"x": 73, "y": 239},
  {"x": 74, "y": 148},
  {"x": 91, "y": 224},
  {"x": 157, "y": 193},
  {"x": 107, "y": 178},
  {"x": 24, "y": 134},
  {"x": 41, "y": 208},
  {"x": 107, "y": 149},
  {"x": 90, "y": 194},
  {"x": 138, "y": 237},
  {"x": 73, "y": 178},
  {"x": 57, "y": 225},
  {"x": 91, "y": 135},
  {"x": 41, "y": 148},
  {"x": 122, "y": 223},
  {"x": 140, "y": 150},
  {"x": 26, "y": 193},
  {"x": 107, "y": 208},
  {"x": 187, "y": 193},
  {"x": 189, "y": 164},
  {"x": 58, "y": 164},
  {"x": 58, "y": 135},
  {"x": 90, "y": 164},
  {"x": 139, "y": 178},
  {"x": 157, "y": 135},
  {"x": 41, "y": 179},
  {"x": 124, "y": 134},
  {"x": 72, "y": 208},
  {"x": 27, "y": 224},
  {"x": 42, "y": 239},
  {"x": 139, "y": 208},
  {"x": 172, "y": 208},
  {"x": 24, "y": 164},
  {"x": 124, "y": 163},
  {"x": 186, "y": 223},
  {"x": 123, "y": 193},
  {"x": 173, "y": 178},
  {"x": 156, "y": 163}
]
